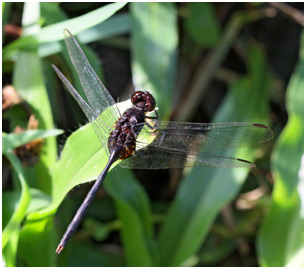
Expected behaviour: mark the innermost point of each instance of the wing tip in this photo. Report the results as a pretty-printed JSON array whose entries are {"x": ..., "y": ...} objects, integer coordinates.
[
  {"x": 58, "y": 72},
  {"x": 67, "y": 33},
  {"x": 54, "y": 67},
  {"x": 247, "y": 163},
  {"x": 269, "y": 131},
  {"x": 260, "y": 125}
]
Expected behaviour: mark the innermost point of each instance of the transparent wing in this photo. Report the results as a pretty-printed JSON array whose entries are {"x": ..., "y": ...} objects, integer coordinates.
[
  {"x": 149, "y": 158},
  {"x": 203, "y": 137},
  {"x": 100, "y": 128},
  {"x": 98, "y": 97}
]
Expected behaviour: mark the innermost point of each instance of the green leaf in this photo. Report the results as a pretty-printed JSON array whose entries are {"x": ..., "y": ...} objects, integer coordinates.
[
  {"x": 6, "y": 12},
  {"x": 14, "y": 140},
  {"x": 281, "y": 238},
  {"x": 116, "y": 25},
  {"x": 28, "y": 82},
  {"x": 154, "y": 44},
  {"x": 11, "y": 199},
  {"x": 10, "y": 250},
  {"x": 10, "y": 234},
  {"x": 37, "y": 239},
  {"x": 38, "y": 200},
  {"x": 52, "y": 13},
  {"x": 77, "y": 25},
  {"x": 133, "y": 209},
  {"x": 82, "y": 159},
  {"x": 205, "y": 191},
  {"x": 88, "y": 255},
  {"x": 10, "y": 203},
  {"x": 202, "y": 25},
  {"x": 99, "y": 231},
  {"x": 54, "y": 32}
]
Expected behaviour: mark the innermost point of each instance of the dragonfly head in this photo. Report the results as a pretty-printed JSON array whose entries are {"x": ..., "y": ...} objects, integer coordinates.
[{"x": 143, "y": 101}]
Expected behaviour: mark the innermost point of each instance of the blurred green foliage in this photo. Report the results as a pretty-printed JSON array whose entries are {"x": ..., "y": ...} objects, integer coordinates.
[
  {"x": 202, "y": 25},
  {"x": 177, "y": 50},
  {"x": 285, "y": 220}
]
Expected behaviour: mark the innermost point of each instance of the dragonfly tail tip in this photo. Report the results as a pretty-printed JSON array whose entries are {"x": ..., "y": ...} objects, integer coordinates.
[{"x": 59, "y": 249}]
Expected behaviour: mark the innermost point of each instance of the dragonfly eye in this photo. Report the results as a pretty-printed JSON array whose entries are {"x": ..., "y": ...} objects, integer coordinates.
[{"x": 143, "y": 101}]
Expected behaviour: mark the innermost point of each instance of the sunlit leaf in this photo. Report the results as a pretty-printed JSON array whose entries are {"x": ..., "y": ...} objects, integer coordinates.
[
  {"x": 37, "y": 239},
  {"x": 10, "y": 232},
  {"x": 154, "y": 44},
  {"x": 55, "y": 32},
  {"x": 281, "y": 238}
]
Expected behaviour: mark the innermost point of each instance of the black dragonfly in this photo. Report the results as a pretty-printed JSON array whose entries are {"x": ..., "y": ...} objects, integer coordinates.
[{"x": 141, "y": 141}]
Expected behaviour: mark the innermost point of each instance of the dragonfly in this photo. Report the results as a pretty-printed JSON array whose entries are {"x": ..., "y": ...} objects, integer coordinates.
[{"x": 141, "y": 141}]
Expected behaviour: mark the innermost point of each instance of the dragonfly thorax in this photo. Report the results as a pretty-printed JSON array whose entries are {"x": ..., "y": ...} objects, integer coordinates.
[{"x": 124, "y": 135}]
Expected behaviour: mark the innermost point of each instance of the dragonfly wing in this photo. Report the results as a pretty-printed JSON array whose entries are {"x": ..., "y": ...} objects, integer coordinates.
[
  {"x": 204, "y": 137},
  {"x": 90, "y": 114},
  {"x": 96, "y": 93},
  {"x": 99, "y": 126},
  {"x": 149, "y": 158}
]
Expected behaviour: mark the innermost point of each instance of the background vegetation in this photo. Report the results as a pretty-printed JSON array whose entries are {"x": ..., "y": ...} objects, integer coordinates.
[{"x": 203, "y": 62}]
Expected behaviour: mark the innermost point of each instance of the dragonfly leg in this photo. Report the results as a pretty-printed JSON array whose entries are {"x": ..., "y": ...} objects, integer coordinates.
[
  {"x": 154, "y": 117},
  {"x": 146, "y": 123},
  {"x": 151, "y": 118},
  {"x": 150, "y": 126}
]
